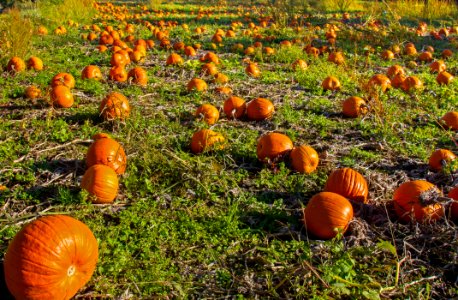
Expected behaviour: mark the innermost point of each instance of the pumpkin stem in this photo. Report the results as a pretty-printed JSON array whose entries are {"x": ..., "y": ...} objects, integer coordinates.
[{"x": 429, "y": 197}]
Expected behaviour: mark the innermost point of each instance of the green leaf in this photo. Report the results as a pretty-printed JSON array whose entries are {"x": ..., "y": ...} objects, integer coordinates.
[{"x": 387, "y": 246}]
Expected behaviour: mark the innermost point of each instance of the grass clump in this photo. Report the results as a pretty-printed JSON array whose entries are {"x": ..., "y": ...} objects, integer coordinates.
[{"x": 57, "y": 11}]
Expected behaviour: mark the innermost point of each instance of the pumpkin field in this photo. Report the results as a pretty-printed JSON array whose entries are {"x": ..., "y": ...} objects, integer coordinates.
[{"x": 262, "y": 149}]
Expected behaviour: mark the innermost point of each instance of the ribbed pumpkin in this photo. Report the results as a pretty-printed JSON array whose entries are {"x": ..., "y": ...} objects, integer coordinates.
[
  {"x": 398, "y": 80},
  {"x": 387, "y": 55},
  {"x": 50, "y": 258},
  {"x": 454, "y": 206},
  {"x": 209, "y": 69},
  {"x": 380, "y": 80},
  {"x": 138, "y": 76},
  {"x": 208, "y": 112},
  {"x": 32, "y": 92},
  {"x": 331, "y": 83},
  {"x": 348, "y": 183},
  {"x": 273, "y": 146},
  {"x": 91, "y": 72},
  {"x": 210, "y": 57},
  {"x": 444, "y": 77},
  {"x": 114, "y": 106},
  {"x": 174, "y": 59},
  {"x": 304, "y": 159},
  {"x": 394, "y": 70},
  {"x": 440, "y": 158},
  {"x": 299, "y": 65},
  {"x": 206, "y": 139},
  {"x": 35, "y": 63},
  {"x": 336, "y": 57},
  {"x": 234, "y": 107},
  {"x": 260, "y": 109},
  {"x": 65, "y": 79},
  {"x": 425, "y": 56},
  {"x": 189, "y": 51},
  {"x": 101, "y": 182},
  {"x": 451, "y": 120},
  {"x": 61, "y": 96},
  {"x": 410, "y": 201},
  {"x": 353, "y": 107},
  {"x": 106, "y": 151},
  {"x": 15, "y": 65},
  {"x": 197, "y": 84},
  {"x": 411, "y": 83},
  {"x": 326, "y": 213},
  {"x": 252, "y": 70},
  {"x": 118, "y": 73},
  {"x": 437, "y": 66}
]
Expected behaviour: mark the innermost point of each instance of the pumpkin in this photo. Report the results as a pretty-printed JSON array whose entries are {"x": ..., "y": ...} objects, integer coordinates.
[
  {"x": 454, "y": 206},
  {"x": 348, "y": 183},
  {"x": 440, "y": 158},
  {"x": 336, "y": 57},
  {"x": 138, "y": 76},
  {"x": 260, "y": 109},
  {"x": 411, "y": 201},
  {"x": 91, "y": 72},
  {"x": 299, "y": 64},
  {"x": 327, "y": 213},
  {"x": 234, "y": 107},
  {"x": 398, "y": 80},
  {"x": 437, "y": 66},
  {"x": 411, "y": 83},
  {"x": 221, "y": 78},
  {"x": 447, "y": 53},
  {"x": 312, "y": 51},
  {"x": 106, "y": 151},
  {"x": 387, "y": 55},
  {"x": 118, "y": 73},
  {"x": 118, "y": 59},
  {"x": 126, "y": 56},
  {"x": 15, "y": 65},
  {"x": 114, "y": 106},
  {"x": 206, "y": 139},
  {"x": 273, "y": 146},
  {"x": 451, "y": 120},
  {"x": 394, "y": 70},
  {"x": 210, "y": 57},
  {"x": 101, "y": 182},
  {"x": 197, "y": 84},
  {"x": 65, "y": 79},
  {"x": 178, "y": 46},
  {"x": 32, "y": 92},
  {"x": 42, "y": 30},
  {"x": 209, "y": 69},
  {"x": 174, "y": 59},
  {"x": 304, "y": 159},
  {"x": 380, "y": 80},
  {"x": 61, "y": 96},
  {"x": 208, "y": 113},
  {"x": 50, "y": 258},
  {"x": 35, "y": 63},
  {"x": 331, "y": 83},
  {"x": 353, "y": 107},
  {"x": 223, "y": 90},
  {"x": 425, "y": 56},
  {"x": 189, "y": 51},
  {"x": 410, "y": 50},
  {"x": 444, "y": 77},
  {"x": 136, "y": 56},
  {"x": 252, "y": 70}
]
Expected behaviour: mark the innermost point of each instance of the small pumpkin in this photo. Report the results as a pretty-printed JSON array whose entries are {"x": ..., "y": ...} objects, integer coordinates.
[
  {"x": 387, "y": 55},
  {"x": 210, "y": 57},
  {"x": 206, "y": 139},
  {"x": 189, "y": 51},
  {"x": 326, "y": 213},
  {"x": 398, "y": 80},
  {"x": 234, "y": 107},
  {"x": 118, "y": 73},
  {"x": 336, "y": 57},
  {"x": 101, "y": 182},
  {"x": 454, "y": 206},
  {"x": 348, "y": 183},
  {"x": 381, "y": 81},
  {"x": 444, "y": 77},
  {"x": 437, "y": 66},
  {"x": 394, "y": 70},
  {"x": 304, "y": 159},
  {"x": 425, "y": 56},
  {"x": 209, "y": 69},
  {"x": 331, "y": 83},
  {"x": 91, "y": 72},
  {"x": 197, "y": 84},
  {"x": 299, "y": 64},
  {"x": 411, "y": 201},
  {"x": 35, "y": 63},
  {"x": 65, "y": 79},
  {"x": 15, "y": 65},
  {"x": 447, "y": 53},
  {"x": 174, "y": 59},
  {"x": 50, "y": 258},
  {"x": 411, "y": 83},
  {"x": 260, "y": 109},
  {"x": 221, "y": 78},
  {"x": 273, "y": 146},
  {"x": 253, "y": 70},
  {"x": 138, "y": 76},
  {"x": 32, "y": 92},
  {"x": 450, "y": 120},
  {"x": 353, "y": 107},
  {"x": 440, "y": 158},
  {"x": 114, "y": 106},
  {"x": 106, "y": 151},
  {"x": 208, "y": 112},
  {"x": 61, "y": 96}
]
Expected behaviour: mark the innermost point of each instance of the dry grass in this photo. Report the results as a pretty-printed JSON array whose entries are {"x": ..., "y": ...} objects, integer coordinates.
[
  {"x": 15, "y": 35},
  {"x": 431, "y": 10},
  {"x": 76, "y": 10}
]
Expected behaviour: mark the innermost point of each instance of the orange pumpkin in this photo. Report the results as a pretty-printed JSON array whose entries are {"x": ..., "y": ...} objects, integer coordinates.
[
  {"x": 425, "y": 56},
  {"x": 189, "y": 51},
  {"x": 106, "y": 151},
  {"x": 398, "y": 80},
  {"x": 380, "y": 80},
  {"x": 411, "y": 201},
  {"x": 206, "y": 139},
  {"x": 50, "y": 258},
  {"x": 437, "y": 66},
  {"x": 65, "y": 79},
  {"x": 348, "y": 183},
  {"x": 174, "y": 59},
  {"x": 15, "y": 65},
  {"x": 304, "y": 159},
  {"x": 444, "y": 77},
  {"x": 326, "y": 214},
  {"x": 451, "y": 120},
  {"x": 273, "y": 146},
  {"x": 114, "y": 106},
  {"x": 223, "y": 90},
  {"x": 299, "y": 64},
  {"x": 221, "y": 78},
  {"x": 208, "y": 113},
  {"x": 410, "y": 50},
  {"x": 447, "y": 53},
  {"x": 42, "y": 30},
  {"x": 411, "y": 83},
  {"x": 353, "y": 107},
  {"x": 197, "y": 84},
  {"x": 394, "y": 70},
  {"x": 61, "y": 96},
  {"x": 260, "y": 109},
  {"x": 32, "y": 92},
  {"x": 234, "y": 107},
  {"x": 440, "y": 158},
  {"x": 35, "y": 63},
  {"x": 118, "y": 73},
  {"x": 138, "y": 76},
  {"x": 253, "y": 70},
  {"x": 387, "y": 55},
  {"x": 336, "y": 57},
  {"x": 454, "y": 206},
  {"x": 209, "y": 69},
  {"x": 210, "y": 57},
  {"x": 101, "y": 182},
  {"x": 91, "y": 72},
  {"x": 118, "y": 59},
  {"x": 331, "y": 83}
]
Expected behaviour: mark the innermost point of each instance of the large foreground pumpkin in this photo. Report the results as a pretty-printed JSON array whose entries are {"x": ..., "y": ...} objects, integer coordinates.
[
  {"x": 326, "y": 213},
  {"x": 50, "y": 258}
]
